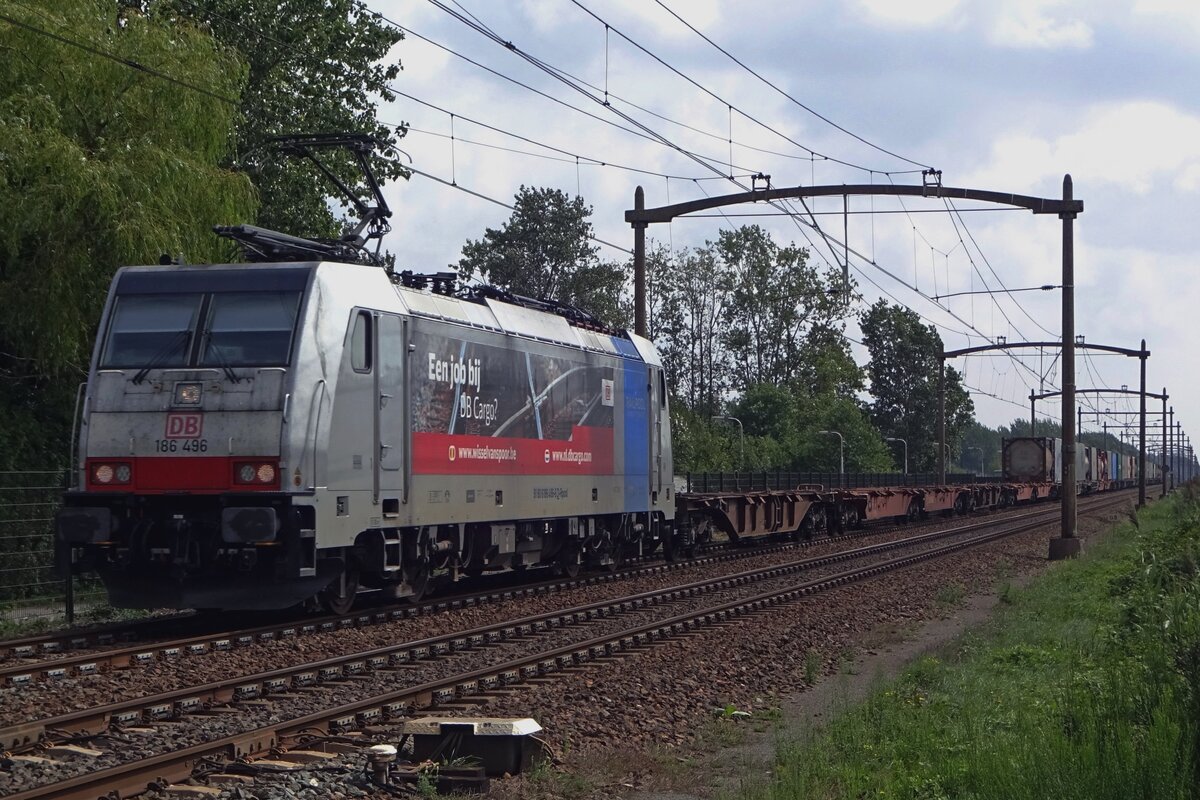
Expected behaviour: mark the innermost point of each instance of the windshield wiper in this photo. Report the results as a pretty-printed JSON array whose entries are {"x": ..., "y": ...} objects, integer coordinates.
[
  {"x": 222, "y": 362},
  {"x": 161, "y": 355}
]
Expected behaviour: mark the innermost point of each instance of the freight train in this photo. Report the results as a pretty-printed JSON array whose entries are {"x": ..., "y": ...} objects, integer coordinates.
[
  {"x": 1038, "y": 462},
  {"x": 256, "y": 436}
]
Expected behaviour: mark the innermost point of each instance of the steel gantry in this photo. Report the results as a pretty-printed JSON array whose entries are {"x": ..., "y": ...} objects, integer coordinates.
[
  {"x": 1067, "y": 209},
  {"x": 1143, "y": 353},
  {"x": 1066, "y": 545}
]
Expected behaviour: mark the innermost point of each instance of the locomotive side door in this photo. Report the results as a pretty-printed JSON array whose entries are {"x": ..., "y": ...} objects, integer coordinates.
[
  {"x": 390, "y": 406},
  {"x": 655, "y": 417}
]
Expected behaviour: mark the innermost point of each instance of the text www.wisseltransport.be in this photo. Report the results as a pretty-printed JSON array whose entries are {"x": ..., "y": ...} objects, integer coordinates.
[{"x": 488, "y": 453}]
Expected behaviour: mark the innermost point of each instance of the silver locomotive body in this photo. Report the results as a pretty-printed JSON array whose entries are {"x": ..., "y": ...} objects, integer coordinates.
[{"x": 256, "y": 435}]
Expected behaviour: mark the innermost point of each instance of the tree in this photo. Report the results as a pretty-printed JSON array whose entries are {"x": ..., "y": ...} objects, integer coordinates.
[
  {"x": 313, "y": 66},
  {"x": 775, "y": 300},
  {"x": 100, "y": 166},
  {"x": 905, "y": 358},
  {"x": 826, "y": 366},
  {"x": 688, "y": 292},
  {"x": 785, "y": 424},
  {"x": 545, "y": 251}
]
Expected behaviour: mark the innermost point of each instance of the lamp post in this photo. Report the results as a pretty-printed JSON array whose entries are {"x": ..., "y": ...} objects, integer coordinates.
[
  {"x": 903, "y": 442},
  {"x": 841, "y": 454},
  {"x": 741, "y": 439},
  {"x": 980, "y": 449}
]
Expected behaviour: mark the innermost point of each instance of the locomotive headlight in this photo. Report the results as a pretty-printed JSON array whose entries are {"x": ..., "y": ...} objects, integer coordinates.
[
  {"x": 246, "y": 473},
  {"x": 123, "y": 473},
  {"x": 265, "y": 473},
  {"x": 188, "y": 394},
  {"x": 103, "y": 473}
]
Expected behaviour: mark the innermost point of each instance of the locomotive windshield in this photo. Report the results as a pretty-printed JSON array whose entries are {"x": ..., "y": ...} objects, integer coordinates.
[
  {"x": 152, "y": 328},
  {"x": 215, "y": 329},
  {"x": 206, "y": 317},
  {"x": 249, "y": 329}
]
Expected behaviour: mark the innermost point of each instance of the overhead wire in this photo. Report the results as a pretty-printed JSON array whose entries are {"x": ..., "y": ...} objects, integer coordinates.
[
  {"x": 565, "y": 79},
  {"x": 657, "y": 137},
  {"x": 816, "y": 114},
  {"x": 509, "y": 206},
  {"x": 725, "y": 102}
]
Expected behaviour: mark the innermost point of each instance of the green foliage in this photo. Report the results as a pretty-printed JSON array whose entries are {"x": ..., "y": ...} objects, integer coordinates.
[
  {"x": 687, "y": 301},
  {"x": 543, "y": 251},
  {"x": 100, "y": 166},
  {"x": 313, "y": 66},
  {"x": 775, "y": 299},
  {"x": 903, "y": 370}
]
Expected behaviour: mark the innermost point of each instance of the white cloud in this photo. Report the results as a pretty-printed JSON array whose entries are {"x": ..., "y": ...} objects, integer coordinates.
[
  {"x": 1175, "y": 16},
  {"x": 1136, "y": 145},
  {"x": 913, "y": 14},
  {"x": 1028, "y": 23}
]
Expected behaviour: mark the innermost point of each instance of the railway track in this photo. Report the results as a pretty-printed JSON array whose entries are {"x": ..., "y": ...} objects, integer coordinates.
[
  {"x": 339, "y": 694},
  {"x": 80, "y": 653}
]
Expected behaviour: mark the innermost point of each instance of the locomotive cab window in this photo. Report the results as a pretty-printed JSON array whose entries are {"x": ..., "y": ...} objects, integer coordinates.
[
  {"x": 360, "y": 343},
  {"x": 181, "y": 329},
  {"x": 151, "y": 330},
  {"x": 249, "y": 329}
]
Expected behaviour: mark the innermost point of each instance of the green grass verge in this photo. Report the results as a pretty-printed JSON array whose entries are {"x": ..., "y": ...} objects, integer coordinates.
[{"x": 1086, "y": 685}]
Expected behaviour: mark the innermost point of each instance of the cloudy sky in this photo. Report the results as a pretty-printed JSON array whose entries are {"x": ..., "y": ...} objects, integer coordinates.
[{"x": 1002, "y": 96}]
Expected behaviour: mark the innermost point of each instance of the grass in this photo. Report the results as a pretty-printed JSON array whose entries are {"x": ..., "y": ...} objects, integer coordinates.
[
  {"x": 1086, "y": 685},
  {"x": 100, "y": 613}
]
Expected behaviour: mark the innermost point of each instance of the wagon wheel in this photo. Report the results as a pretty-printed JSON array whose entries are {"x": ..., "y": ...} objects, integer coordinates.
[
  {"x": 914, "y": 510},
  {"x": 338, "y": 597},
  {"x": 851, "y": 517}
]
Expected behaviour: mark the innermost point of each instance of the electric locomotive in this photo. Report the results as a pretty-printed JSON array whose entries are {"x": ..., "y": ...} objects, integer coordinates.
[{"x": 254, "y": 436}]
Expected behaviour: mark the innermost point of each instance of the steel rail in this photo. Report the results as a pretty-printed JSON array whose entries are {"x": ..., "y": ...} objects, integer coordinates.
[
  {"x": 25, "y": 671},
  {"x": 177, "y": 765}
]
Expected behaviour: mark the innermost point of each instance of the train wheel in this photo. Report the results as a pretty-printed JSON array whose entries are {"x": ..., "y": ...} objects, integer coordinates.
[
  {"x": 418, "y": 577},
  {"x": 616, "y": 556},
  {"x": 338, "y": 597},
  {"x": 851, "y": 518},
  {"x": 568, "y": 562}
]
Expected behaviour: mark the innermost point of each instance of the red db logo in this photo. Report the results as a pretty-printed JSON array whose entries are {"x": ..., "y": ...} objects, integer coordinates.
[{"x": 184, "y": 426}]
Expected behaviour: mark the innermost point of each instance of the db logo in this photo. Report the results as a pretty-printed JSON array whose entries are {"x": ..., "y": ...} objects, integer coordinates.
[
  {"x": 184, "y": 426},
  {"x": 547, "y": 456},
  {"x": 453, "y": 454}
]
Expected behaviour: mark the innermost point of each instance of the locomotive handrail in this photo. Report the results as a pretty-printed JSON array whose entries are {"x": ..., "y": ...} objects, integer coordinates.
[
  {"x": 76, "y": 428},
  {"x": 313, "y": 420}
]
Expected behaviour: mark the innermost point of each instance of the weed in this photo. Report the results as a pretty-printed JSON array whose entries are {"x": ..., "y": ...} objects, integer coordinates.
[
  {"x": 812, "y": 666},
  {"x": 950, "y": 594}
]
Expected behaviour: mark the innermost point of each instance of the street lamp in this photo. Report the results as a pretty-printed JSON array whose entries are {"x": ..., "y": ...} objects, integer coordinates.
[
  {"x": 901, "y": 441},
  {"x": 741, "y": 439},
  {"x": 841, "y": 453},
  {"x": 980, "y": 449}
]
